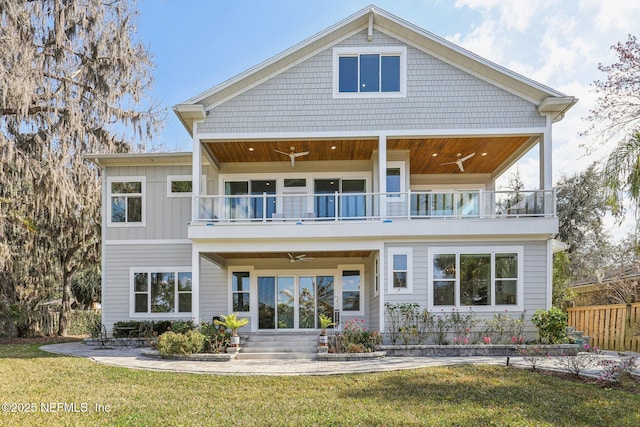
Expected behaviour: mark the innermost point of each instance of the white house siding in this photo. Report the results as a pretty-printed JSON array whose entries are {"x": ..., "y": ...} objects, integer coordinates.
[
  {"x": 214, "y": 290},
  {"x": 165, "y": 217},
  {"x": 116, "y": 282},
  {"x": 439, "y": 96},
  {"x": 534, "y": 264},
  {"x": 372, "y": 301}
]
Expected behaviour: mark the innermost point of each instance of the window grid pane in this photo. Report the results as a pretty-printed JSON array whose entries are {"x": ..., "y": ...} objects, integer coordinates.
[
  {"x": 370, "y": 73},
  {"x": 390, "y": 74},
  {"x": 348, "y": 74}
]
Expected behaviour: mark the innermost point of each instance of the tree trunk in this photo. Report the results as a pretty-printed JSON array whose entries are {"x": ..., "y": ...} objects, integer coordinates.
[{"x": 65, "y": 311}]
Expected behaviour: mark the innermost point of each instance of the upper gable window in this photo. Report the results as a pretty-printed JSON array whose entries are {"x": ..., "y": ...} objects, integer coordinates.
[{"x": 369, "y": 72}]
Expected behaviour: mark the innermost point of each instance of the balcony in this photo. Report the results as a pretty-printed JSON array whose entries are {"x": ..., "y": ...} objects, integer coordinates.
[{"x": 269, "y": 208}]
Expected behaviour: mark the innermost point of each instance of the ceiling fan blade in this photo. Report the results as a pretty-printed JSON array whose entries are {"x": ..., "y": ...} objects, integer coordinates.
[
  {"x": 460, "y": 166},
  {"x": 449, "y": 163},
  {"x": 281, "y": 152},
  {"x": 467, "y": 157},
  {"x": 304, "y": 153}
]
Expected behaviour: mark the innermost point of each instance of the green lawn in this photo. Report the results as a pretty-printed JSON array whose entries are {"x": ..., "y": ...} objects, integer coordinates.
[{"x": 457, "y": 395}]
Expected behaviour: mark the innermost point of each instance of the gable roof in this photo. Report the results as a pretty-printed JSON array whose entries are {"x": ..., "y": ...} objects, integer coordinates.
[{"x": 548, "y": 100}]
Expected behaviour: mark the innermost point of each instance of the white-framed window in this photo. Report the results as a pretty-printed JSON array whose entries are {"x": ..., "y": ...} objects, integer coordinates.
[
  {"x": 400, "y": 268},
  {"x": 352, "y": 288},
  {"x": 179, "y": 186},
  {"x": 126, "y": 201},
  {"x": 240, "y": 291},
  {"x": 482, "y": 278},
  {"x": 369, "y": 72},
  {"x": 160, "y": 291}
]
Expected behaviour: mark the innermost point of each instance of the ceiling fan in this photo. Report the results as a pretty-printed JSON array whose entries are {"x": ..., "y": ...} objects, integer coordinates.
[
  {"x": 293, "y": 155},
  {"x": 298, "y": 258},
  {"x": 459, "y": 161}
]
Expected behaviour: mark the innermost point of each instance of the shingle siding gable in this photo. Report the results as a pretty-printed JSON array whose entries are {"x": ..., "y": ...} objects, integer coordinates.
[{"x": 439, "y": 96}]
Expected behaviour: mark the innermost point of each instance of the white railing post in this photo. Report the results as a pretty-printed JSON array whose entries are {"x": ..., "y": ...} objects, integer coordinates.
[
  {"x": 481, "y": 203},
  {"x": 264, "y": 206},
  {"x": 408, "y": 202},
  {"x": 335, "y": 205}
]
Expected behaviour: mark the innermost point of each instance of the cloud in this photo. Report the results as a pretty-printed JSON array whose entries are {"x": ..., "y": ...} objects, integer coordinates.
[{"x": 513, "y": 15}]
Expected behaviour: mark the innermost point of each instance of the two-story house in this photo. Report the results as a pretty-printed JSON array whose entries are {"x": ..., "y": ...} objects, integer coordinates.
[{"x": 355, "y": 169}]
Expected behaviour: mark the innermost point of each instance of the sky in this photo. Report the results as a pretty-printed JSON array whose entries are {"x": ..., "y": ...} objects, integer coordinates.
[{"x": 198, "y": 44}]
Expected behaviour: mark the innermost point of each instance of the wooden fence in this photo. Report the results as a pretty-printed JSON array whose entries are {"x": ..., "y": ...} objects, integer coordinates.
[{"x": 611, "y": 327}]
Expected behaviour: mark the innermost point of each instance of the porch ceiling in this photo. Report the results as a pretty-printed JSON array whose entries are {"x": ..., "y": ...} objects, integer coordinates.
[
  {"x": 285, "y": 255},
  {"x": 427, "y": 154}
]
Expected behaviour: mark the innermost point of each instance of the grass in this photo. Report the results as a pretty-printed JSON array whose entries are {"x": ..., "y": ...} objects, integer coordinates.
[{"x": 472, "y": 395}]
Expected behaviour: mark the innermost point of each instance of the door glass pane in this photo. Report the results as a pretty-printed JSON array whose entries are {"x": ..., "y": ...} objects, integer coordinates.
[
  {"x": 118, "y": 209},
  {"x": 237, "y": 207},
  {"x": 325, "y": 295},
  {"x": 370, "y": 73},
  {"x": 286, "y": 300},
  {"x": 307, "y": 302},
  {"x": 325, "y": 203},
  {"x": 258, "y": 208},
  {"x": 393, "y": 180},
  {"x": 353, "y": 206},
  {"x": 475, "y": 278},
  {"x": 266, "y": 302},
  {"x": 351, "y": 290}
]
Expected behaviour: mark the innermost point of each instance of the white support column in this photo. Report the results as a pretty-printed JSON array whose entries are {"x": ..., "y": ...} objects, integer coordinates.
[
  {"x": 382, "y": 166},
  {"x": 546, "y": 164},
  {"x": 195, "y": 283},
  {"x": 196, "y": 172}
]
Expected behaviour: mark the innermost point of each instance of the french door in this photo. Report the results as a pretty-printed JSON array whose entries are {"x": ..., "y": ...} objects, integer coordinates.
[
  {"x": 294, "y": 301},
  {"x": 351, "y": 202},
  {"x": 250, "y": 202}
]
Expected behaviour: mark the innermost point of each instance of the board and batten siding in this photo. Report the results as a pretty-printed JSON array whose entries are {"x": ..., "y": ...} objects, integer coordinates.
[
  {"x": 165, "y": 217},
  {"x": 438, "y": 96},
  {"x": 534, "y": 274},
  {"x": 118, "y": 261}
]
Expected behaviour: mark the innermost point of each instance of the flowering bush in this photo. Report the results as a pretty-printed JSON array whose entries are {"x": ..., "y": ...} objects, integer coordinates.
[
  {"x": 533, "y": 355},
  {"x": 617, "y": 370},
  {"x": 355, "y": 338},
  {"x": 576, "y": 361},
  {"x": 502, "y": 329}
]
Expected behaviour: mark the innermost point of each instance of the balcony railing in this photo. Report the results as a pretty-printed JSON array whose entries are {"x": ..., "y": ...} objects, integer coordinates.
[{"x": 374, "y": 206}]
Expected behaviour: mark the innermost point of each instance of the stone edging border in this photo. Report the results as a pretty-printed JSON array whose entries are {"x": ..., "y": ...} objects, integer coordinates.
[
  {"x": 350, "y": 356},
  {"x": 204, "y": 357}
]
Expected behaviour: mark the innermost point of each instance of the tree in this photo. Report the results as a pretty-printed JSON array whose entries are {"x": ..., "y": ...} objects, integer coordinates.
[
  {"x": 616, "y": 119},
  {"x": 72, "y": 82},
  {"x": 581, "y": 206}
]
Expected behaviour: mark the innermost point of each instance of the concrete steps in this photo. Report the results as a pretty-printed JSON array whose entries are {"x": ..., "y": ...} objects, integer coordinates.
[{"x": 281, "y": 345}]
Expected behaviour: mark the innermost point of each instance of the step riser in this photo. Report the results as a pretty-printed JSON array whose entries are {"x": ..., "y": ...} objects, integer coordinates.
[{"x": 279, "y": 346}]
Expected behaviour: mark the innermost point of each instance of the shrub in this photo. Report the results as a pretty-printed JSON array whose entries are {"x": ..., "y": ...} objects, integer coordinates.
[
  {"x": 171, "y": 343},
  {"x": 84, "y": 322},
  {"x": 182, "y": 327},
  {"x": 533, "y": 355},
  {"x": 215, "y": 340},
  {"x": 575, "y": 361},
  {"x": 551, "y": 324},
  {"x": 504, "y": 330},
  {"x": 618, "y": 370},
  {"x": 355, "y": 338},
  {"x": 461, "y": 325},
  {"x": 406, "y": 322}
]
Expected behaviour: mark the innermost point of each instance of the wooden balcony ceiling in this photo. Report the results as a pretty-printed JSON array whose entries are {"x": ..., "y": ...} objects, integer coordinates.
[
  {"x": 285, "y": 255},
  {"x": 427, "y": 154}
]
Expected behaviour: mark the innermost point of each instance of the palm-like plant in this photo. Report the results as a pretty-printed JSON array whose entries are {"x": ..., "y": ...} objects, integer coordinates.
[
  {"x": 232, "y": 322},
  {"x": 325, "y": 322},
  {"x": 622, "y": 172}
]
